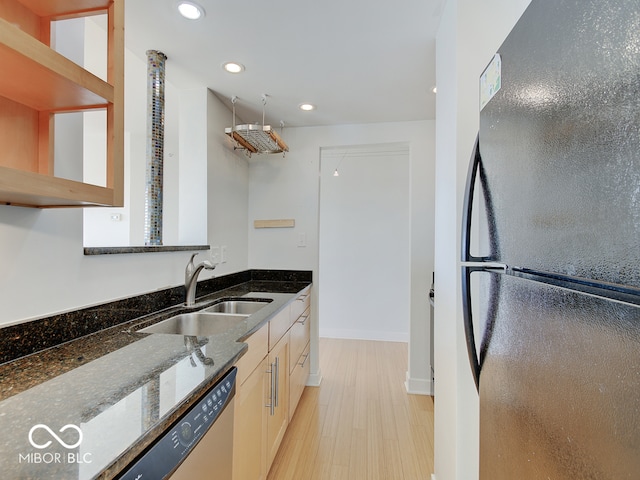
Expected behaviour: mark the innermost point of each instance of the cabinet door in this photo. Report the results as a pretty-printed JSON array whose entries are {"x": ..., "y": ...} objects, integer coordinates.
[
  {"x": 250, "y": 426},
  {"x": 298, "y": 380},
  {"x": 278, "y": 410}
]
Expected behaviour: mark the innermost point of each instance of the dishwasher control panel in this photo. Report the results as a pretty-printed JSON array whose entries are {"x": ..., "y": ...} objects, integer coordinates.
[{"x": 164, "y": 456}]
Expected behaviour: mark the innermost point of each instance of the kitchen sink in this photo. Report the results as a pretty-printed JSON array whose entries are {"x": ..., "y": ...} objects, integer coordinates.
[
  {"x": 196, "y": 324},
  {"x": 242, "y": 307}
]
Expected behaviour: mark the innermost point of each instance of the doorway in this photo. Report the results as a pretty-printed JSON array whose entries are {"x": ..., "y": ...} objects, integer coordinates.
[{"x": 364, "y": 242}]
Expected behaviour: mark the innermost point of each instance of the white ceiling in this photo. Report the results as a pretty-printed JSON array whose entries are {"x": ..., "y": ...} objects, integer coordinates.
[{"x": 358, "y": 61}]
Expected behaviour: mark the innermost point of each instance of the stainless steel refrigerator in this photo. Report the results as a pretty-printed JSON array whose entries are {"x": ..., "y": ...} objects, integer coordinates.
[{"x": 551, "y": 246}]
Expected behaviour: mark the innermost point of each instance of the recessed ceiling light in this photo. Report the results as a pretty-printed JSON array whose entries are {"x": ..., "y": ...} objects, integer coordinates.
[
  {"x": 190, "y": 10},
  {"x": 307, "y": 107},
  {"x": 233, "y": 67}
]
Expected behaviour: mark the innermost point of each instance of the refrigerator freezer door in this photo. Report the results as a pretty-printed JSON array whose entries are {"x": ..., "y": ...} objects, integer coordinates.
[
  {"x": 560, "y": 142},
  {"x": 560, "y": 384}
]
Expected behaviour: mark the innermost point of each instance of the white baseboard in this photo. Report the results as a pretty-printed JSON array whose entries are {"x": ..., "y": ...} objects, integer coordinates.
[
  {"x": 433, "y": 476},
  {"x": 418, "y": 386},
  {"x": 365, "y": 335},
  {"x": 315, "y": 379}
]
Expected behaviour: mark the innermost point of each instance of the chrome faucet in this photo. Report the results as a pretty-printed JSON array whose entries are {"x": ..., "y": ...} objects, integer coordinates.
[{"x": 191, "y": 278}]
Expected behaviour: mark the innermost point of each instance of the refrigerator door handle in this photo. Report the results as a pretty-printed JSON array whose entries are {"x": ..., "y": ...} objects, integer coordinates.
[
  {"x": 472, "y": 263},
  {"x": 467, "y": 206},
  {"x": 465, "y": 243},
  {"x": 468, "y": 323},
  {"x": 475, "y": 166}
]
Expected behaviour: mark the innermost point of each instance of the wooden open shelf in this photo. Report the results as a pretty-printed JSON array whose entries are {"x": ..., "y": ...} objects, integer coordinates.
[
  {"x": 55, "y": 82},
  {"x": 22, "y": 188},
  {"x": 38, "y": 83},
  {"x": 64, "y": 8}
]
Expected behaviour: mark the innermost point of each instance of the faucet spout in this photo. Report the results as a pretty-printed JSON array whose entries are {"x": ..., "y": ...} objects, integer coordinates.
[{"x": 191, "y": 278}]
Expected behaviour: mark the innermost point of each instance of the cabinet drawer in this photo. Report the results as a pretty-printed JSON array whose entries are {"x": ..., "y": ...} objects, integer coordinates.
[
  {"x": 278, "y": 326},
  {"x": 298, "y": 380},
  {"x": 258, "y": 349},
  {"x": 299, "y": 337},
  {"x": 300, "y": 304}
]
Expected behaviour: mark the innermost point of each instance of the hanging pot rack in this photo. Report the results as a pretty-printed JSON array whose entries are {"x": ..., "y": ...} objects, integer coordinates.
[{"x": 254, "y": 138}]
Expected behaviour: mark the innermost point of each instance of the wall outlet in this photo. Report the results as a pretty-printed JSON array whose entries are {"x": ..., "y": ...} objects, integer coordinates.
[
  {"x": 115, "y": 217},
  {"x": 215, "y": 255},
  {"x": 223, "y": 254}
]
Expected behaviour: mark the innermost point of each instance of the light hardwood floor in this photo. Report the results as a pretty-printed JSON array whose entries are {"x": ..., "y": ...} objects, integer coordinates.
[{"x": 360, "y": 423}]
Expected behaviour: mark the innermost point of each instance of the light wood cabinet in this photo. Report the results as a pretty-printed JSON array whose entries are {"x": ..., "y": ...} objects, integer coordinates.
[
  {"x": 272, "y": 375},
  {"x": 279, "y": 325},
  {"x": 301, "y": 303},
  {"x": 278, "y": 417},
  {"x": 38, "y": 83},
  {"x": 250, "y": 415},
  {"x": 298, "y": 379},
  {"x": 258, "y": 348},
  {"x": 300, "y": 333},
  {"x": 250, "y": 426},
  {"x": 299, "y": 337}
]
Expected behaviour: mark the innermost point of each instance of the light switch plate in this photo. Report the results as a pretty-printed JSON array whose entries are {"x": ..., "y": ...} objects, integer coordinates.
[{"x": 302, "y": 240}]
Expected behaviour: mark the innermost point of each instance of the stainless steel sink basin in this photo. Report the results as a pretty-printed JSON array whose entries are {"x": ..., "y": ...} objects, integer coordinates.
[
  {"x": 196, "y": 324},
  {"x": 242, "y": 307}
]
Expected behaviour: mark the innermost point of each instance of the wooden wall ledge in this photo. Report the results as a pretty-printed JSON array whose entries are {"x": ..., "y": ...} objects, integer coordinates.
[{"x": 281, "y": 223}]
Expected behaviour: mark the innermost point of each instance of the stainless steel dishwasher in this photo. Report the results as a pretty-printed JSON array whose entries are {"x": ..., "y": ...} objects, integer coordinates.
[{"x": 199, "y": 445}]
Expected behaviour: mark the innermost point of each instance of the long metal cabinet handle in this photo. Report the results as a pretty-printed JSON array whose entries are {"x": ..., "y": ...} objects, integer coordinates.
[
  {"x": 306, "y": 357},
  {"x": 272, "y": 405},
  {"x": 277, "y": 382}
]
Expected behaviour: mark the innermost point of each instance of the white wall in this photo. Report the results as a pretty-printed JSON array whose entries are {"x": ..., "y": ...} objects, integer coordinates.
[
  {"x": 469, "y": 35},
  {"x": 100, "y": 230},
  {"x": 288, "y": 188},
  {"x": 228, "y": 191},
  {"x": 192, "y": 159}
]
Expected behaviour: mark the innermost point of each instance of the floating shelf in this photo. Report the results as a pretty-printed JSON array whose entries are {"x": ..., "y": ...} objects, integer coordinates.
[{"x": 279, "y": 223}]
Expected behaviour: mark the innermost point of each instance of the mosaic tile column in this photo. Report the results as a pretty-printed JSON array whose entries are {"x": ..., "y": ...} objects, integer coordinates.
[{"x": 155, "y": 148}]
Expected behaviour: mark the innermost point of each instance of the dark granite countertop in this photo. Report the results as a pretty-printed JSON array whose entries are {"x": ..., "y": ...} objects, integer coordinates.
[{"x": 117, "y": 388}]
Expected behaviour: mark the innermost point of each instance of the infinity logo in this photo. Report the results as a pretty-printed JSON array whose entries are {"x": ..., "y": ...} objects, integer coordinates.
[{"x": 59, "y": 440}]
